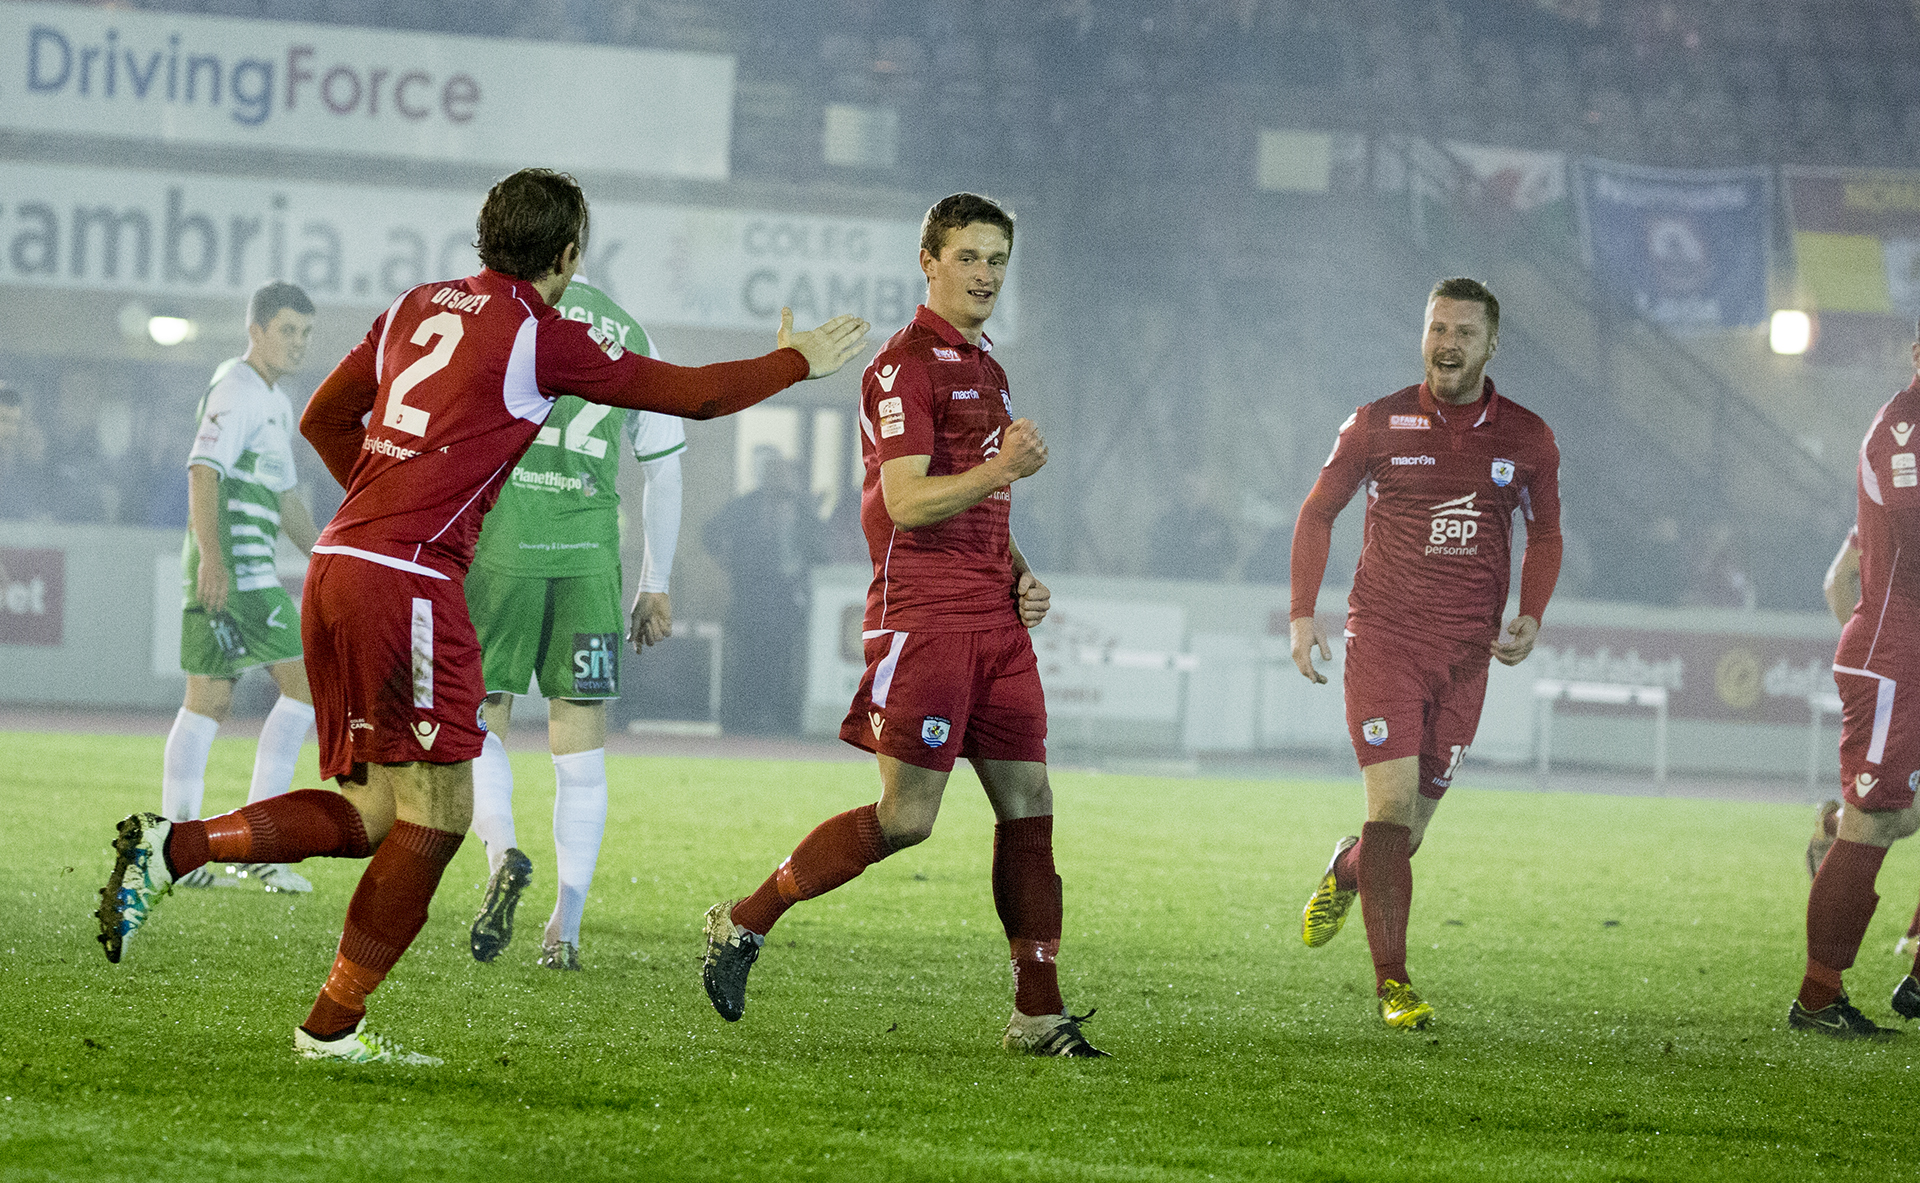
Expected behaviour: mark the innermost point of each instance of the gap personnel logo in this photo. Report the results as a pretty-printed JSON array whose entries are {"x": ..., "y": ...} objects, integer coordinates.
[
  {"x": 595, "y": 662},
  {"x": 1374, "y": 731},
  {"x": 1405, "y": 423},
  {"x": 934, "y": 730},
  {"x": 940, "y": 353},
  {"x": 1453, "y": 527},
  {"x": 426, "y": 733},
  {"x": 1503, "y": 473}
]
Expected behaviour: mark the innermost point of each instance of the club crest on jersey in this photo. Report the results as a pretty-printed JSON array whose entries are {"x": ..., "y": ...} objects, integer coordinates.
[
  {"x": 1503, "y": 473},
  {"x": 1406, "y": 423},
  {"x": 934, "y": 730},
  {"x": 942, "y": 353},
  {"x": 1374, "y": 731}
]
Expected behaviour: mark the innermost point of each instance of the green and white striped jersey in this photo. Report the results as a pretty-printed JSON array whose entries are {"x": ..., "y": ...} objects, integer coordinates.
[
  {"x": 246, "y": 436},
  {"x": 559, "y": 512}
]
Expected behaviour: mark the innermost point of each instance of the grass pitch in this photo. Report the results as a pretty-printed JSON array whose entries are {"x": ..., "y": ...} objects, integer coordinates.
[{"x": 1611, "y": 976}]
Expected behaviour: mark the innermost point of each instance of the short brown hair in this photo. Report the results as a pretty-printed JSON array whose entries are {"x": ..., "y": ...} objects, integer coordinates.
[
  {"x": 528, "y": 219},
  {"x": 270, "y": 298},
  {"x": 957, "y": 213},
  {"x": 1462, "y": 288}
]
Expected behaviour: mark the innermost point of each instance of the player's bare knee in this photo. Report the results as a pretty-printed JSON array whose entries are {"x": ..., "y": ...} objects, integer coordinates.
[{"x": 902, "y": 833}]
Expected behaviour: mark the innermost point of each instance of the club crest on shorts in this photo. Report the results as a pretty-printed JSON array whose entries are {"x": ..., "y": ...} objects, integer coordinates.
[
  {"x": 1374, "y": 731},
  {"x": 1503, "y": 473},
  {"x": 934, "y": 730}
]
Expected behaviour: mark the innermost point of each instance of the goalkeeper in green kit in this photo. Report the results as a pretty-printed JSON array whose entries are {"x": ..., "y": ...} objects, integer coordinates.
[{"x": 544, "y": 592}]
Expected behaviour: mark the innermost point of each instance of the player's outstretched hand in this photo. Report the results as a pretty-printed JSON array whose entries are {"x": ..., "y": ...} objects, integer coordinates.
[
  {"x": 651, "y": 621},
  {"x": 1022, "y": 449},
  {"x": 826, "y": 348},
  {"x": 1034, "y": 599},
  {"x": 1306, "y": 636},
  {"x": 1523, "y": 631}
]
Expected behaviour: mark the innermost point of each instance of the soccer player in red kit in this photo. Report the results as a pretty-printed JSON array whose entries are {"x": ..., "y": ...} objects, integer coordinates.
[
  {"x": 1446, "y": 464},
  {"x": 422, "y": 423},
  {"x": 1877, "y": 668},
  {"x": 950, "y": 668}
]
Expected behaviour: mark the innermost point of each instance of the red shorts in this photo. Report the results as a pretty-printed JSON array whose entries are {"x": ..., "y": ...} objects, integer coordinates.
[
  {"x": 1879, "y": 740},
  {"x": 928, "y": 698},
  {"x": 1411, "y": 700},
  {"x": 394, "y": 665}
]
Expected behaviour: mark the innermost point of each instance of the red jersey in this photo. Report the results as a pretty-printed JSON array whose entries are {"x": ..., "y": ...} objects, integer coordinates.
[
  {"x": 453, "y": 381},
  {"x": 929, "y": 392},
  {"x": 1443, "y": 483},
  {"x": 1879, "y": 636}
]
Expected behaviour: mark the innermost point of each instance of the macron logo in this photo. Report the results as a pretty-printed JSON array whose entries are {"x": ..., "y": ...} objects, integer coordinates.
[
  {"x": 1901, "y": 432},
  {"x": 426, "y": 733},
  {"x": 885, "y": 375},
  {"x": 878, "y": 720}
]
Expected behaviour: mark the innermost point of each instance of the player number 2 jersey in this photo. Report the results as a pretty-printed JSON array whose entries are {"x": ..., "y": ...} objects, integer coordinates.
[
  {"x": 1879, "y": 636},
  {"x": 559, "y": 512},
  {"x": 246, "y": 436}
]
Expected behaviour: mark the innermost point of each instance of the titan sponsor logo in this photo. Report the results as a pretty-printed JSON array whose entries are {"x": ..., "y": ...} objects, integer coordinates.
[
  {"x": 1454, "y": 526},
  {"x": 188, "y": 75}
]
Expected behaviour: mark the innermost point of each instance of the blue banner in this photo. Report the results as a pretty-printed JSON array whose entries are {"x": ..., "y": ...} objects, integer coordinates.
[{"x": 1687, "y": 248}]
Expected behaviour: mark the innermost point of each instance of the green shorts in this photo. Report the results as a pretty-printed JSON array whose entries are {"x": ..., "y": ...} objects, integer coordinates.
[
  {"x": 260, "y": 627},
  {"x": 567, "y": 632}
]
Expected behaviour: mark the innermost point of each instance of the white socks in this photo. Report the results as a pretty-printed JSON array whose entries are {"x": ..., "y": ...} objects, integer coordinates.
[
  {"x": 183, "y": 777},
  {"x": 279, "y": 751},
  {"x": 493, "y": 800},
  {"x": 579, "y": 823}
]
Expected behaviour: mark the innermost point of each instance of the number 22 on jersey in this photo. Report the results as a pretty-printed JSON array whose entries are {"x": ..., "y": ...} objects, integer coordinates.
[{"x": 447, "y": 326}]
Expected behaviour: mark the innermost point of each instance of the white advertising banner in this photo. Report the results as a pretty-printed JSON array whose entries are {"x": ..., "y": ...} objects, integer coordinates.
[
  {"x": 97, "y": 71},
  {"x": 164, "y": 234}
]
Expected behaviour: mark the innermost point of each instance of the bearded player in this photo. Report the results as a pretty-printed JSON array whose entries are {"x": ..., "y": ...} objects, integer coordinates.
[
  {"x": 545, "y": 596},
  {"x": 422, "y": 422},
  {"x": 950, "y": 668},
  {"x": 1447, "y": 464},
  {"x": 1877, "y": 668}
]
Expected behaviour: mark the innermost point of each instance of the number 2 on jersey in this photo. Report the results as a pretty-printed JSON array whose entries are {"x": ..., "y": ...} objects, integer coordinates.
[{"x": 449, "y": 328}]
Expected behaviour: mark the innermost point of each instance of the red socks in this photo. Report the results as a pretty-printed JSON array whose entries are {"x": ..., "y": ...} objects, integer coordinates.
[
  {"x": 1346, "y": 868},
  {"x": 1385, "y": 877},
  {"x": 387, "y": 911},
  {"x": 837, "y": 850},
  {"x": 285, "y": 829},
  {"x": 1838, "y": 908},
  {"x": 1026, "y": 893}
]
